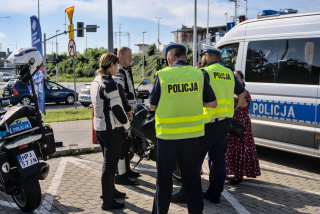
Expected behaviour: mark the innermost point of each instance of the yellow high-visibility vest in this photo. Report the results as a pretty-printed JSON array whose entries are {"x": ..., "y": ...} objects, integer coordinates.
[
  {"x": 179, "y": 113},
  {"x": 222, "y": 83}
]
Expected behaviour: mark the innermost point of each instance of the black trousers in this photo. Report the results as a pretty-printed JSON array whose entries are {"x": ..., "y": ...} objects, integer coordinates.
[
  {"x": 186, "y": 151},
  {"x": 111, "y": 142},
  {"x": 215, "y": 144}
]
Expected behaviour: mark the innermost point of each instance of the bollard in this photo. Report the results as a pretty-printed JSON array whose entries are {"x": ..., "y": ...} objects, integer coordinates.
[{"x": 94, "y": 139}]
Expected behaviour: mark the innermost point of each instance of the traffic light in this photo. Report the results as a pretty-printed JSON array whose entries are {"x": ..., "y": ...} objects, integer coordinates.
[
  {"x": 145, "y": 63},
  {"x": 79, "y": 26},
  {"x": 163, "y": 61},
  {"x": 115, "y": 51},
  {"x": 242, "y": 18},
  {"x": 158, "y": 61}
]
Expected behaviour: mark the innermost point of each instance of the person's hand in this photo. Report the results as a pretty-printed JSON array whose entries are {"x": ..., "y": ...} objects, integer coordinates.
[{"x": 129, "y": 115}]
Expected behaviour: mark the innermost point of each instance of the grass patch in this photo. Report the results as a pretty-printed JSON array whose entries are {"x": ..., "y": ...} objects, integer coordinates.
[
  {"x": 70, "y": 79},
  {"x": 68, "y": 115}
]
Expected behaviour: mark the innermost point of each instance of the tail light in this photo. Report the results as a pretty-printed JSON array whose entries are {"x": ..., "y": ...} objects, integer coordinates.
[{"x": 15, "y": 92}]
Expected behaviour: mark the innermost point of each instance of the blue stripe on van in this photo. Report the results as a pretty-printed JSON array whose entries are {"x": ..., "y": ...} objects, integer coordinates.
[{"x": 298, "y": 112}]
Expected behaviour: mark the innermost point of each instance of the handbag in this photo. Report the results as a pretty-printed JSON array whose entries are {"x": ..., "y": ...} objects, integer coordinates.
[{"x": 237, "y": 129}]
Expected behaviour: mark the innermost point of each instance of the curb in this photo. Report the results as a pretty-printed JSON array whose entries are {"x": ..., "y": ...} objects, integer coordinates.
[{"x": 73, "y": 150}]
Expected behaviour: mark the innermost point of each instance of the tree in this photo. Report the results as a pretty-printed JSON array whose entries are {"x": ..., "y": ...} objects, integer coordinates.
[{"x": 152, "y": 49}]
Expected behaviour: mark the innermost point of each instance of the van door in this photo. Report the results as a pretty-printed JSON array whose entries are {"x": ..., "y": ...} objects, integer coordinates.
[{"x": 283, "y": 79}]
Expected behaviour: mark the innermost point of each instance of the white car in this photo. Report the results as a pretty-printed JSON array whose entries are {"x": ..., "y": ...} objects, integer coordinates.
[
  {"x": 5, "y": 76},
  {"x": 84, "y": 95}
]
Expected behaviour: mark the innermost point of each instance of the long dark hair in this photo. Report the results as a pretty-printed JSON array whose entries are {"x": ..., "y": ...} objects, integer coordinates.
[{"x": 241, "y": 76}]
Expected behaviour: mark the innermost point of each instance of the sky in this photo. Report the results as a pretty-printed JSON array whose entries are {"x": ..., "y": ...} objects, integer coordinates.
[{"x": 129, "y": 16}]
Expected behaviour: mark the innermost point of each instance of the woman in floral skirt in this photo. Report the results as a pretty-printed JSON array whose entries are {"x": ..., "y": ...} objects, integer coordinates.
[{"x": 241, "y": 156}]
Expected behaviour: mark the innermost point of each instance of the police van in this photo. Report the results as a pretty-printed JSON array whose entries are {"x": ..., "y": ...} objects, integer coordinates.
[{"x": 280, "y": 58}]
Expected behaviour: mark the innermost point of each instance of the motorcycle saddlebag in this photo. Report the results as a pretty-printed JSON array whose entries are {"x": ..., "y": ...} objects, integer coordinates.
[
  {"x": 50, "y": 147},
  {"x": 5, "y": 174}
]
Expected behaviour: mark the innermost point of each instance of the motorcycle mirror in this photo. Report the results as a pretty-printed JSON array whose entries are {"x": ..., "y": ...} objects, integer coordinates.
[
  {"x": 5, "y": 102},
  {"x": 146, "y": 82}
]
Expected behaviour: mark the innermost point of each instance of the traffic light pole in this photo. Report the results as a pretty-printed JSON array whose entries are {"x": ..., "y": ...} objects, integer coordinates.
[{"x": 45, "y": 42}]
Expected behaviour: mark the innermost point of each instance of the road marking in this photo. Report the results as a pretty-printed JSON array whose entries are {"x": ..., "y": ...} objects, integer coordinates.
[
  {"x": 232, "y": 200},
  {"x": 288, "y": 172},
  {"x": 137, "y": 168},
  {"x": 280, "y": 188}
]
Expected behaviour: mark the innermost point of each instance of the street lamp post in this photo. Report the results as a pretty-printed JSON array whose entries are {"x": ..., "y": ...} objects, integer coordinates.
[
  {"x": 246, "y": 8},
  {"x": 143, "y": 54},
  {"x": 57, "y": 57},
  {"x": 195, "y": 35},
  {"x": 235, "y": 10},
  {"x": 208, "y": 35},
  {"x": 158, "y": 33},
  {"x": 226, "y": 18}
]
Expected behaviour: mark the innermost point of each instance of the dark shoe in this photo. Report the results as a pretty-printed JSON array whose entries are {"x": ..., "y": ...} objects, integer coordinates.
[
  {"x": 209, "y": 198},
  {"x": 176, "y": 198},
  {"x": 132, "y": 174},
  {"x": 235, "y": 181},
  {"x": 124, "y": 180},
  {"x": 113, "y": 205},
  {"x": 117, "y": 194}
]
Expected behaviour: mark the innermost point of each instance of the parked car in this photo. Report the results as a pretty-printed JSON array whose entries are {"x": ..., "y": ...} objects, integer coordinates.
[
  {"x": 84, "y": 95},
  {"x": 5, "y": 76},
  {"x": 19, "y": 93}
]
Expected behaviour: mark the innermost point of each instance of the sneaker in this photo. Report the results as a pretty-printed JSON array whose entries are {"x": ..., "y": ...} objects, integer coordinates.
[
  {"x": 124, "y": 180},
  {"x": 132, "y": 174},
  {"x": 113, "y": 205},
  {"x": 209, "y": 198},
  {"x": 176, "y": 198}
]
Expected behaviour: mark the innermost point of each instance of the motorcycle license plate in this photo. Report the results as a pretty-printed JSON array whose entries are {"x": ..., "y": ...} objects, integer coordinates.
[
  {"x": 20, "y": 125},
  {"x": 27, "y": 159}
]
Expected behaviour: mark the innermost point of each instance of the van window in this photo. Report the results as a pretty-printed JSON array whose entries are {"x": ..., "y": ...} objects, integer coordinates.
[
  {"x": 294, "y": 61},
  {"x": 229, "y": 56}
]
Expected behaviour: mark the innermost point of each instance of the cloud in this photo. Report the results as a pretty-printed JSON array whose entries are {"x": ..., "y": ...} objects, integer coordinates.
[{"x": 2, "y": 35}]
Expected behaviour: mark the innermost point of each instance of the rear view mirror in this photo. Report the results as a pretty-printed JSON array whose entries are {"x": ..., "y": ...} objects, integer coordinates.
[
  {"x": 146, "y": 82},
  {"x": 5, "y": 102}
]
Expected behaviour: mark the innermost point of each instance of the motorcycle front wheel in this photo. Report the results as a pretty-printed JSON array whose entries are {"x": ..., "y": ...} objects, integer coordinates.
[{"x": 29, "y": 198}]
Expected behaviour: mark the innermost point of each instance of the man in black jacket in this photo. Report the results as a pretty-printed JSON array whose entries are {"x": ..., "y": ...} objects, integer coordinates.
[{"x": 125, "y": 79}]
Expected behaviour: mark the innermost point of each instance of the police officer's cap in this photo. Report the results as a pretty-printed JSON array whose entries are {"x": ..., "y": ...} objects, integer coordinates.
[
  {"x": 210, "y": 49},
  {"x": 173, "y": 45}
]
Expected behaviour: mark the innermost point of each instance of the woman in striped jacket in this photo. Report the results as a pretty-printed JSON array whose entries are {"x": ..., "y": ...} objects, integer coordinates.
[{"x": 110, "y": 124}]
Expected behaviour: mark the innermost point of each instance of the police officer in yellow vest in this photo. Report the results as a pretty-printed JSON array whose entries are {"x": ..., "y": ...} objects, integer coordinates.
[
  {"x": 178, "y": 96},
  {"x": 218, "y": 122}
]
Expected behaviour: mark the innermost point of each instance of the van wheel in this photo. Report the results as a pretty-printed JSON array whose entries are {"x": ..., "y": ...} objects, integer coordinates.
[
  {"x": 25, "y": 100},
  {"x": 69, "y": 99}
]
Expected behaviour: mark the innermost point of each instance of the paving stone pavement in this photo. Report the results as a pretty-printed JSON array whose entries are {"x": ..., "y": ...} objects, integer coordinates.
[{"x": 73, "y": 186}]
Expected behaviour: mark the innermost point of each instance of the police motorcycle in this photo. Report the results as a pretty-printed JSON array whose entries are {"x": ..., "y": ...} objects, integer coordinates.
[
  {"x": 142, "y": 134},
  {"x": 24, "y": 141}
]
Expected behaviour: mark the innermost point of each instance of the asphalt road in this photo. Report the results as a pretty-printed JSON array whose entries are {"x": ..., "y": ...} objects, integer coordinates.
[{"x": 70, "y": 85}]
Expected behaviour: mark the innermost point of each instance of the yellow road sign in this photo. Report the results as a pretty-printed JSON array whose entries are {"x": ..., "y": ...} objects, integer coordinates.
[
  {"x": 71, "y": 34},
  {"x": 70, "y": 13}
]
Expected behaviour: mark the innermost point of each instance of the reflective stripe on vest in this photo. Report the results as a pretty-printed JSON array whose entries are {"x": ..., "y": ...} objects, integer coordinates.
[
  {"x": 222, "y": 83},
  {"x": 179, "y": 113}
]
